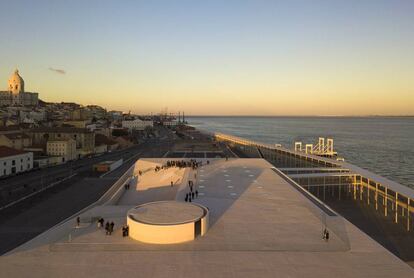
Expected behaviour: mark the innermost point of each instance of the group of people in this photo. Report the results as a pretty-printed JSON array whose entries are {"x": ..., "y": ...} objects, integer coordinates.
[
  {"x": 192, "y": 194},
  {"x": 109, "y": 227},
  {"x": 100, "y": 222},
  {"x": 125, "y": 230},
  {"x": 182, "y": 164},
  {"x": 127, "y": 186}
]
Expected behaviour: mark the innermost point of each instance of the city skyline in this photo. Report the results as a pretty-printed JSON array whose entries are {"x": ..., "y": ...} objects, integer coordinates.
[{"x": 299, "y": 58}]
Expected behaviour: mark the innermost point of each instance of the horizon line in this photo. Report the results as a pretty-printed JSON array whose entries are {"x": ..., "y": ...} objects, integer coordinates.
[{"x": 324, "y": 116}]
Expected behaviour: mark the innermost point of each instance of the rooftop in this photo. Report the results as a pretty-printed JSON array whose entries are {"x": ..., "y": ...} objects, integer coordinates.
[
  {"x": 101, "y": 139},
  {"x": 60, "y": 130},
  {"x": 260, "y": 226},
  {"x": 166, "y": 213},
  {"x": 17, "y": 135},
  {"x": 6, "y": 152}
]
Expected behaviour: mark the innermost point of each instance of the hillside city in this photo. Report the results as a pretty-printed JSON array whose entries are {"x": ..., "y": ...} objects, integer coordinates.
[{"x": 36, "y": 134}]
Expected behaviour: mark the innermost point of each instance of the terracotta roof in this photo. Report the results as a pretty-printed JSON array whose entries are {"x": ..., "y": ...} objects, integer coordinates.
[
  {"x": 60, "y": 130},
  {"x": 17, "y": 135},
  {"x": 6, "y": 151},
  {"x": 101, "y": 139},
  {"x": 9, "y": 128}
]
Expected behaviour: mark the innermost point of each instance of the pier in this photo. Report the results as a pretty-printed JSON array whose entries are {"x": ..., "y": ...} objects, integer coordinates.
[
  {"x": 255, "y": 216},
  {"x": 333, "y": 180},
  {"x": 261, "y": 222}
]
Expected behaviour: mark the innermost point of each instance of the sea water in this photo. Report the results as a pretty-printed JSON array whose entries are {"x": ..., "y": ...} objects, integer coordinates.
[{"x": 383, "y": 145}]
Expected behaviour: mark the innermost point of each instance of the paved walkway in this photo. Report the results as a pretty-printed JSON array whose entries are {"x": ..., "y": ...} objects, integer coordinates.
[{"x": 260, "y": 226}]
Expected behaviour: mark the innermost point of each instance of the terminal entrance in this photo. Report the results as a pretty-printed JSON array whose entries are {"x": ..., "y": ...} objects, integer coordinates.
[{"x": 197, "y": 228}]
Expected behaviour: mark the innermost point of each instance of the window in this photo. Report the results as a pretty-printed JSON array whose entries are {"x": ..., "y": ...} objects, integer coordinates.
[{"x": 13, "y": 162}]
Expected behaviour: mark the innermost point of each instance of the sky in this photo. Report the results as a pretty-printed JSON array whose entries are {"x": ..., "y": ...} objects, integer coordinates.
[{"x": 228, "y": 57}]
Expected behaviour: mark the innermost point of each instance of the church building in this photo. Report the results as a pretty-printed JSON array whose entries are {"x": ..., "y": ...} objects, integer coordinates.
[{"x": 15, "y": 94}]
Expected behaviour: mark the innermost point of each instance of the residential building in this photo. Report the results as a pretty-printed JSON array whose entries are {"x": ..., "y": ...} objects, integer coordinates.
[
  {"x": 115, "y": 115},
  {"x": 35, "y": 115},
  {"x": 16, "y": 140},
  {"x": 63, "y": 148},
  {"x": 97, "y": 112},
  {"x": 124, "y": 141},
  {"x": 104, "y": 144},
  {"x": 78, "y": 123},
  {"x": 14, "y": 161},
  {"x": 80, "y": 114},
  {"x": 170, "y": 123},
  {"x": 136, "y": 124},
  {"x": 46, "y": 161},
  {"x": 85, "y": 139}
]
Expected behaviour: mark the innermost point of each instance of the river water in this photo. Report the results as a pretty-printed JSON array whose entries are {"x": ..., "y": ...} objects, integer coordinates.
[{"x": 383, "y": 145}]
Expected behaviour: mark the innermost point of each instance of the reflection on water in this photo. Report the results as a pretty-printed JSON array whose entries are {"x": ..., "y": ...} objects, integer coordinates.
[{"x": 384, "y": 145}]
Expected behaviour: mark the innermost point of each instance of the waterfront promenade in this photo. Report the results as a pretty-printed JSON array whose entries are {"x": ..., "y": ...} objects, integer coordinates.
[
  {"x": 29, "y": 218},
  {"x": 260, "y": 226},
  {"x": 378, "y": 206}
]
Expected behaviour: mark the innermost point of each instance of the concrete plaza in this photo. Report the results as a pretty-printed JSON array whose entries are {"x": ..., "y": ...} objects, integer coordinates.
[{"x": 260, "y": 226}]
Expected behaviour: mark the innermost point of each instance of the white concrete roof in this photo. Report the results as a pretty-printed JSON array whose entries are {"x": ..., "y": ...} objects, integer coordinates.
[
  {"x": 166, "y": 213},
  {"x": 260, "y": 226}
]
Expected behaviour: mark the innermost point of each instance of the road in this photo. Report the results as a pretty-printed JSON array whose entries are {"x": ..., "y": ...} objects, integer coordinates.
[
  {"x": 35, "y": 215},
  {"x": 14, "y": 188}
]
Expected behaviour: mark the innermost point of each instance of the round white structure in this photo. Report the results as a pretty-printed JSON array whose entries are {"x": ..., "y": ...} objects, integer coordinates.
[{"x": 167, "y": 222}]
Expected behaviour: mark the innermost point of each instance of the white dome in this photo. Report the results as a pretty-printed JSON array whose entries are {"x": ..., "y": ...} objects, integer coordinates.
[{"x": 16, "y": 83}]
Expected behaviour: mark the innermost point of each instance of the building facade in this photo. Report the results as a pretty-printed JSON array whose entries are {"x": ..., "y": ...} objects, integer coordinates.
[
  {"x": 16, "y": 95},
  {"x": 85, "y": 139},
  {"x": 136, "y": 124},
  {"x": 14, "y": 161},
  {"x": 63, "y": 148},
  {"x": 17, "y": 140}
]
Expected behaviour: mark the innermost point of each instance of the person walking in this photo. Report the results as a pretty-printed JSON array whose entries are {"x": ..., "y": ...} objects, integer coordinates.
[
  {"x": 172, "y": 183},
  {"x": 325, "y": 235},
  {"x": 111, "y": 228},
  {"x": 107, "y": 228},
  {"x": 196, "y": 193}
]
